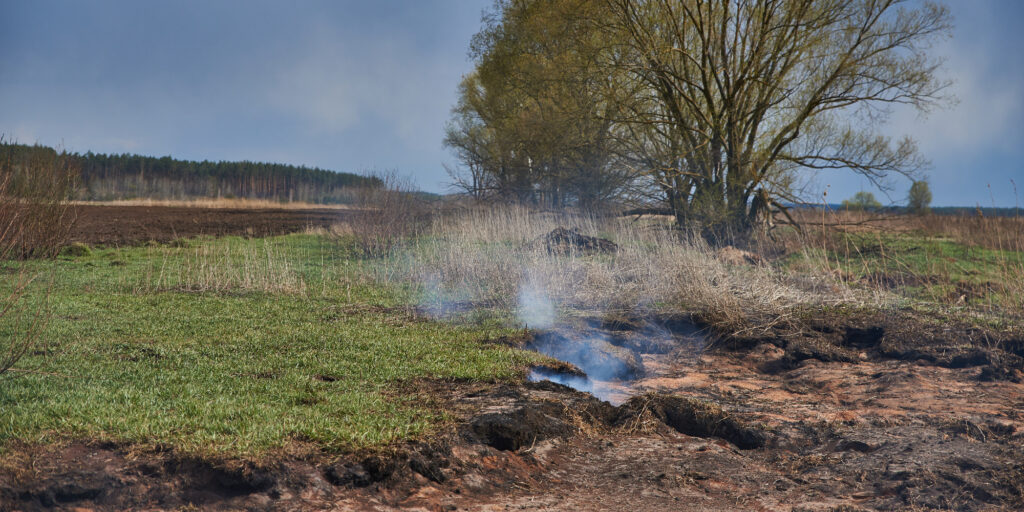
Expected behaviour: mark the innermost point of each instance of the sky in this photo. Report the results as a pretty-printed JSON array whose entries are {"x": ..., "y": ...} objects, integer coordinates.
[{"x": 368, "y": 85}]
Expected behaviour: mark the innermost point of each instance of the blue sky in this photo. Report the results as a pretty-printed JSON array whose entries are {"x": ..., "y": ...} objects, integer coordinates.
[{"x": 361, "y": 85}]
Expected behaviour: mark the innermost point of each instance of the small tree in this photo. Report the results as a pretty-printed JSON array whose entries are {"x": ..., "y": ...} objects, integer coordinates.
[
  {"x": 919, "y": 198},
  {"x": 862, "y": 201}
]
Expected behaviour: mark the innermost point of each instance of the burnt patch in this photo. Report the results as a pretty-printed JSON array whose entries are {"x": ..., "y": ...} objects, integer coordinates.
[
  {"x": 370, "y": 470},
  {"x": 106, "y": 477},
  {"x": 654, "y": 334},
  {"x": 644, "y": 342},
  {"x": 517, "y": 428},
  {"x": 517, "y": 340},
  {"x": 855, "y": 445},
  {"x": 863, "y": 338},
  {"x": 802, "y": 349},
  {"x": 694, "y": 418},
  {"x": 851, "y": 335},
  {"x": 556, "y": 368},
  {"x": 207, "y": 482}
]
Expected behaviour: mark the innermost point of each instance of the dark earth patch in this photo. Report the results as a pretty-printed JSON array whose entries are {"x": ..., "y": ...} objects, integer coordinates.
[{"x": 133, "y": 225}]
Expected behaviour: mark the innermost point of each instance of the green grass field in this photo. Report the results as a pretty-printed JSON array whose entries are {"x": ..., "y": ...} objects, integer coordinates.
[
  {"x": 921, "y": 267},
  {"x": 234, "y": 347}
]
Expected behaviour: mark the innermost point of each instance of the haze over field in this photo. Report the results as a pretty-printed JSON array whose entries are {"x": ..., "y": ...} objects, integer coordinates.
[{"x": 355, "y": 85}]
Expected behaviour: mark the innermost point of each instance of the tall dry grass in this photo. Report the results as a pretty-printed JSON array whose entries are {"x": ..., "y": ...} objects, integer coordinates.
[
  {"x": 491, "y": 257},
  {"x": 222, "y": 265}
]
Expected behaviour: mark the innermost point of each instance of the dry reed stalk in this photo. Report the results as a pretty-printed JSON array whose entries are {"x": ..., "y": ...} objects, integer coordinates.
[{"x": 219, "y": 266}]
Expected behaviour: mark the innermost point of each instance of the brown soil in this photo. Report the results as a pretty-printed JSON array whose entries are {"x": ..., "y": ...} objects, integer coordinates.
[
  {"x": 130, "y": 225},
  {"x": 849, "y": 416}
]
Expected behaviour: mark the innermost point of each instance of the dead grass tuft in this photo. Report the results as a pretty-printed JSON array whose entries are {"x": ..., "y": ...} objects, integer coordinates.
[
  {"x": 221, "y": 266},
  {"x": 486, "y": 257}
]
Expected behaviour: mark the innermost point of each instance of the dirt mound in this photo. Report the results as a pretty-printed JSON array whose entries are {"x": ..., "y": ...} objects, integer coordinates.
[
  {"x": 129, "y": 225},
  {"x": 571, "y": 241}
]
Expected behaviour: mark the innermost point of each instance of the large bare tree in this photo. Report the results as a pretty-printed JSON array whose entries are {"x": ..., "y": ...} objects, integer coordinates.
[{"x": 721, "y": 101}]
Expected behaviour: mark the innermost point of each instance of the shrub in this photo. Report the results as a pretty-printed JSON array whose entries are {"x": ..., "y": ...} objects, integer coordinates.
[
  {"x": 862, "y": 201},
  {"x": 35, "y": 215},
  {"x": 386, "y": 215},
  {"x": 35, "y": 221}
]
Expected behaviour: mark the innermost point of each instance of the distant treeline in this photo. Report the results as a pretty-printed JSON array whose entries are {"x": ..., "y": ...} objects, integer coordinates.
[
  {"x": 126, "y": 176},
  {"x": 985, "y": 211}
]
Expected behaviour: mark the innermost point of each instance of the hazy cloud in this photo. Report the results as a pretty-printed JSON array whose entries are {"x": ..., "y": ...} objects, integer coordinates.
[{"x": 350, "y": 85}]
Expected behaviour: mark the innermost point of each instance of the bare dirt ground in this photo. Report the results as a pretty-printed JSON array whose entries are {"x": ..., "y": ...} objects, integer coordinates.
[
  {"x": 772, "y": 424},
  {"x": 129, "y": 225}
]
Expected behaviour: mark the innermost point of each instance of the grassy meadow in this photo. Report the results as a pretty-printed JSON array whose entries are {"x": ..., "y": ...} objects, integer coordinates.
[{"x": 233, "y": 346}]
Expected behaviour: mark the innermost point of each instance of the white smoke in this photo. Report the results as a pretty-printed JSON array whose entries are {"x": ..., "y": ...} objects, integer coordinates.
[{"x": 535, "y": 309}]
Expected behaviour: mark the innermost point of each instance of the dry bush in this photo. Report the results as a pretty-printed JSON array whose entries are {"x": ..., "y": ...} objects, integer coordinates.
[
  {"x": 386, "y": 215},
  {"x": 35, "y": 221},
  {"x": 488, "y": 257},
  {"x": 35, "y": 215},
  {"x": 223, "y": 266}
]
